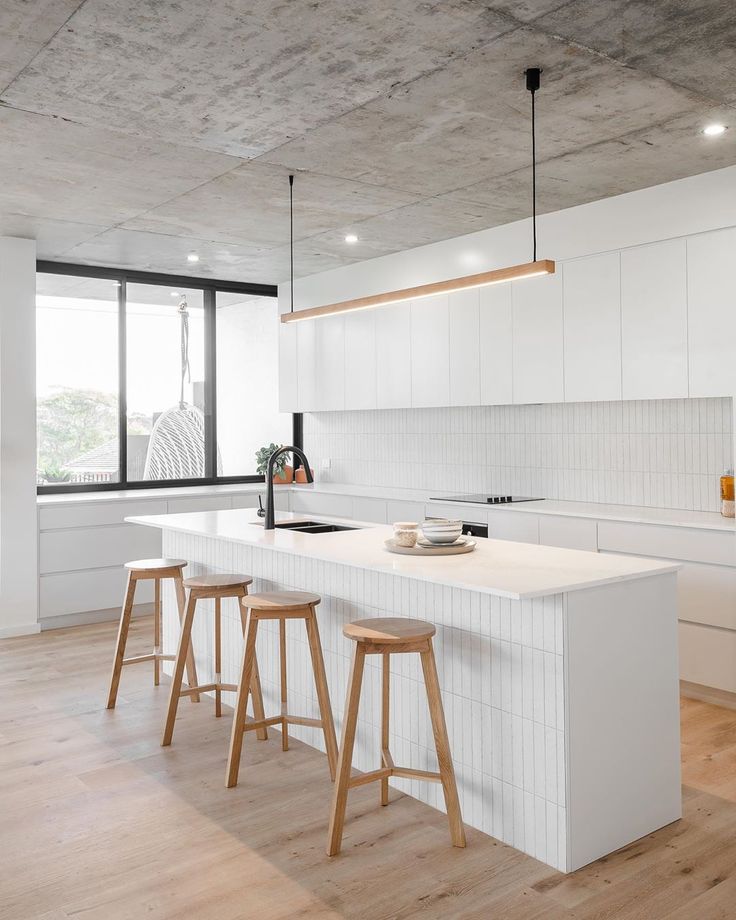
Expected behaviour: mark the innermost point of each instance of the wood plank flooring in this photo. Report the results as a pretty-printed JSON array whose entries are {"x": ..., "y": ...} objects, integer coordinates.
[{"x": 98, "y": 821}]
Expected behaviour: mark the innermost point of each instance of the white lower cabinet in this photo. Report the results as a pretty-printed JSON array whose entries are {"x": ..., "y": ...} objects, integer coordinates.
[
  {"x": 521, "y": 527},
  {"x": 372, "y": 510},
  {"x": 322, "y": 503},
  {"x": 404, "y": 511},
  {"x": 708, "y": 656},
  {"x": 569, "y": 532}
]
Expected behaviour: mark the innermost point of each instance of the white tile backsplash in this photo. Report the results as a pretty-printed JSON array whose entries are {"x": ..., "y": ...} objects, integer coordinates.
[{"x": 660, "y": 453}]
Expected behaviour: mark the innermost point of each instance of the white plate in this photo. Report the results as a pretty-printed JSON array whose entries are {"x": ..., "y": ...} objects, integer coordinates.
[{"x": 423, "y": 541}]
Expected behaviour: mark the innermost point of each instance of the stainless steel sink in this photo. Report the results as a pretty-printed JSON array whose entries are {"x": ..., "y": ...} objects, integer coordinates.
[{"x": 312, "y": 526}]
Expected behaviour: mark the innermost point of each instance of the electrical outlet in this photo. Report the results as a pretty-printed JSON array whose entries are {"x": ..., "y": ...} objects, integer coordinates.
[{"x": 326, "y": 463}]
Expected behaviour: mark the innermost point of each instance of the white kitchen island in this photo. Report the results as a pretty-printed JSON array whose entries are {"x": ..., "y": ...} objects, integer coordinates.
[{"x": 558, "y": 670}]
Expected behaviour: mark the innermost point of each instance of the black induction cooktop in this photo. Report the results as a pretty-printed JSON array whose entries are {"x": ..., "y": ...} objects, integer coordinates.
[{"x": 487, "y": 499}]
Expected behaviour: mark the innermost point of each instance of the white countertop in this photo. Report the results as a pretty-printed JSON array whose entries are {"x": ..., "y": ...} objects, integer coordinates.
[
  {"x": 500, "y": 567},
  {"x": 637, "y": 514}
]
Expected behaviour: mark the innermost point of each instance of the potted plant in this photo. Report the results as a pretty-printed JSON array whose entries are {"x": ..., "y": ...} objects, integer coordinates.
[{"x": 282, "y": 472}]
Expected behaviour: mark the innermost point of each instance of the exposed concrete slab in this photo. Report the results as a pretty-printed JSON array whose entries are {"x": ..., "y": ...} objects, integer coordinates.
[
  {"x": 252, "y": 205},
  {"x": 57, "y": 169},
  {"x": 407, "y": 120},
  {"x": 241, "y": 78},
  {"x": 24, "y": 30}
]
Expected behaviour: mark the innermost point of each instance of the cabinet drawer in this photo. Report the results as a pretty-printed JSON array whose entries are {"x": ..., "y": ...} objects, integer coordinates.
[
  {"x": 707, "y": 594},
  {"x": 322, "y": 503},
  {"x": 96, "y": 547},
  {"x": 404, "y": 511},
  {"x": 708, "y": 656},
  {"x": 715, "y": 547},
  {"x": 369, "y": 509},
  {"x": 457, "y": 512},
  {"x": 250, "y": 499},
  {"x": 521, "y": 527},
  {"x": 91, "y": 514},
  {"x": 79, "y": 592},
  {"x": 200, "y": 503},
  {"x": 569, "y": 532}
]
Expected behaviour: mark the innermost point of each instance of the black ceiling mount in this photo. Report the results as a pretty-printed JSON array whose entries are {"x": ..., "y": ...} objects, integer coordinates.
[{"x": 533, "y": 79}]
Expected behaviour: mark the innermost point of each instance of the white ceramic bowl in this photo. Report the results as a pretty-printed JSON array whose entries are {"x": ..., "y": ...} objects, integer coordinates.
[{"x": 442, "y": 531}]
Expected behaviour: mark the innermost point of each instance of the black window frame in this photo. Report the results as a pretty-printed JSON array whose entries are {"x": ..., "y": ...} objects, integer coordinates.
[{"x": 209, "y": 288}]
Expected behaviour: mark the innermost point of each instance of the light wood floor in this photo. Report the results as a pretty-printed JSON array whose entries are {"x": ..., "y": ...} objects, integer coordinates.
[{"x": 98, "y": 821}]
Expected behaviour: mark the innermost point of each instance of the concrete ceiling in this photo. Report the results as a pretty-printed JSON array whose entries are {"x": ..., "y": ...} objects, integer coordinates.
[{"x": 134, "y": 133}]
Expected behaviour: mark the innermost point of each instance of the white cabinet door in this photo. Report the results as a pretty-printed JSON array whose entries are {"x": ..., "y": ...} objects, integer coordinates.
[
  {"x": 306, "y": 333},
  {"x": 569, "y": 532},
  {"x": 288, "y": 385},
  {"x": 360, "y": 360},
  {"x": 519, "y": 526},
  {"x": 393, "y": 356},
  {"x": 654, "y": 321},
  {"x": 537, "y": 311},
  {"x": 592, "y": 322},
  {"x": 464, "y": 348},
  {"x": 711, "y": 299},
  {"x": 329, "y": 363},
  {"x": 496, "y": 345},
  {"x": 430, "y": 351}
]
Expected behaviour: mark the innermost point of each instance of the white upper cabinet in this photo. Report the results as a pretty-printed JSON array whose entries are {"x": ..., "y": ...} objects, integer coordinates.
[
  {"x": 711, "y": 294},
  {"x": 464, "y": 348},
  {"x": 430, "y": 351},
  {"x": 537, "y": 349},
  {"x": 592, "y": 323},
  {"x": 393, "y": 356},
  {"x": 288, "y": 357},
  {"x": 306, "y": 334},
  {"x": 654, "y": 321},
  {"x": 496, "y": 345},
  {"x": 360, "y": 360},
  {"x": 329, "y": 364}
]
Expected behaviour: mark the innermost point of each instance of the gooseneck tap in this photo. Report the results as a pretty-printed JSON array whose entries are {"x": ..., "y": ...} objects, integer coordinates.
[{"x": 268, "y": 524}]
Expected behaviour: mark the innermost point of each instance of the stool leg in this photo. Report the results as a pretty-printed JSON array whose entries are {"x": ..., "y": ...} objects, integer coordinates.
[
  {"x": 385, "y": 691},
  {"x": 156, "y": 631},
  {"x": 255, "y": 684},
  {"x": 282, "y": 675},
  {"x": 442, "y": 745},
  {"x": 218, "y": 658},
  {"x": 344, "y": 762},
  {"x": 185, "y": 644},
  {"x": 241, "y": 704},
  {"x": 323, "y": 693},
  {"x": 117, "y": 662},
  {"x": 191, "y": 669}
]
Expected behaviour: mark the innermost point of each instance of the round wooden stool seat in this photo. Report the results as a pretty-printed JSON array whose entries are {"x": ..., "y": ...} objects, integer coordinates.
[
  {"x": 153, "y": 565},
  {"x": 388, "y": 630},
  {"x": 282, "y": 600},
  {"x": 230, "y": 580}
]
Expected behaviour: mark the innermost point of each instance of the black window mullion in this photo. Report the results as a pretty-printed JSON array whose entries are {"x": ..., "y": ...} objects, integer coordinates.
[
  {"x": 210, "y": 385},
  {"x": 122, "y": 384}
]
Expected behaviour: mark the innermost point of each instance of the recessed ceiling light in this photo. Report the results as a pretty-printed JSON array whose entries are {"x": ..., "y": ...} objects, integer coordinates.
[
  {"x": 714, "y": 130},
  {"x": 192, "y": 257},
  {"x": 351, "y": 238},
  {"x": 174, "y": 293}
]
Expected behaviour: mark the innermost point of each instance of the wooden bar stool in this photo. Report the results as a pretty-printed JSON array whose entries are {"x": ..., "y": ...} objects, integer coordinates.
[
  {"x": 210, "y": 587},
  {"x": 147, "y": 570},
  {"x": 281, "y": 606},
  {"x": 391, "y": 636}
]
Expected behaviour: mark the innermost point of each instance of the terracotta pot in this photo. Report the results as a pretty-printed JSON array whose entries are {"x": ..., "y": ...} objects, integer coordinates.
[
  {"x": 301, "y": 475},
  {"x": 288, "y": 476}
]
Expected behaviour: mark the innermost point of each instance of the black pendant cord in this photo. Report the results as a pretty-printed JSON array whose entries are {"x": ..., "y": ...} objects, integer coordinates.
[
  {"x": 291, "y": 240},
  {"x": 533, "y": 77},
  {"x": 534, "y": 182}
]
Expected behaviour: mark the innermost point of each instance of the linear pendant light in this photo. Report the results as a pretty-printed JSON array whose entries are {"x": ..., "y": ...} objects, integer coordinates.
[{"x": 496, "y": 276}]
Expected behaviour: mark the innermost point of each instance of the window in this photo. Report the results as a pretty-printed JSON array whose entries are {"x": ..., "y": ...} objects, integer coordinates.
[
  {"x": 148, "y": 380},
  {"x": 76, "y": 384}
]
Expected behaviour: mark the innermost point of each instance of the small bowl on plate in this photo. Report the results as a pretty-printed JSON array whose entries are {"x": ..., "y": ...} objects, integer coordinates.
[{"x": 442, "y": 531}]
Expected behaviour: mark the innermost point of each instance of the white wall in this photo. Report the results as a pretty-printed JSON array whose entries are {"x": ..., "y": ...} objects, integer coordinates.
[{"x": 18, "y": 534}]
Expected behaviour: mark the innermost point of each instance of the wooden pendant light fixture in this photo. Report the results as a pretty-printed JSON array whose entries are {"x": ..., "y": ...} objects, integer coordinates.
[{"x": 496, "y": 276}]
